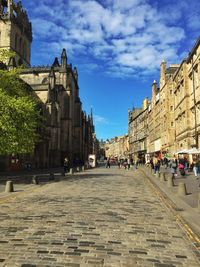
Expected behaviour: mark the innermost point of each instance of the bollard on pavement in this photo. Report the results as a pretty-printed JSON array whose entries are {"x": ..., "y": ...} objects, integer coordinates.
[
  {"x": 182, "y": 189},
  {"x": 71, "y": 171},
  {"x": 35, "y": 179},
  {"x": 170, "y": 181},
  {"x": 80, "y": 168},
  {"x": 9, "y": 187}
]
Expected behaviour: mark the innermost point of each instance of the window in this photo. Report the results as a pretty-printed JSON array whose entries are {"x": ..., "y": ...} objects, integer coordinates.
[
  {"x": 20, "y": 45},
  {"x": 171, "y": 108},
  {"x": 172, "y": 124},
  {"x": 16, "y": 41},
  {"x": 45, "y": 80},
  {"x": 20, "y": 62}
]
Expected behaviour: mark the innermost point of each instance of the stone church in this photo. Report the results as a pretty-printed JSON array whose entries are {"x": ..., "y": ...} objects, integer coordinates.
[{"x": 67, "y": 130}]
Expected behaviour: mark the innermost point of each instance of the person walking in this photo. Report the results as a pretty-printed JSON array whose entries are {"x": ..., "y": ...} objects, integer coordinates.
[
  {"x": 156, "y": 164},
  {"x": 66, "y": 165},
  {"x": 118, "y": 163},
  {"x": 108, "y": 163},
  {"x": 181, "y": 165},
  {"x": 129, "y": 163},
  {"x": 195, "y": 167},
  {"x": 173, "y": 166}
]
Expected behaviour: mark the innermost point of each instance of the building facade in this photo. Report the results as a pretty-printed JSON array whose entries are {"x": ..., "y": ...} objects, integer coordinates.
[
  {"x": 138, "y": 132},
  {"x": 187, "y": 101},
  {"x": 117, "y": 147},
  {"x": 173, "y": 116},
  {"x": 67, "y": 131}
]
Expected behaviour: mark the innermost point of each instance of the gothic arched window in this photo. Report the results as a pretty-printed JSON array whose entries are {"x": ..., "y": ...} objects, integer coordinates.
[
  {"x": 16, "y": 41},
  {"x": 20, "y": 46},
  {"x": 20, "y": 62},
  {"x": 25, "y": 51},
  {"x": 45, "y": 80}
]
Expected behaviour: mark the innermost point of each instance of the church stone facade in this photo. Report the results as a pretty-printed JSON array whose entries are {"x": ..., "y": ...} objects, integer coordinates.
[{"x": 67, "y": 131}]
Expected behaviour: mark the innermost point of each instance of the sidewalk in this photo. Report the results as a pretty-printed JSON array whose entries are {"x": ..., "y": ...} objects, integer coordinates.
[
  {"x": 22, "y": 180},
  {"x": 186, "y": 206}
]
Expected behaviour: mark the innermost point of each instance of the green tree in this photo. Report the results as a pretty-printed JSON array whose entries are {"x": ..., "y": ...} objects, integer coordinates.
[{"x": 19, "y": 117}]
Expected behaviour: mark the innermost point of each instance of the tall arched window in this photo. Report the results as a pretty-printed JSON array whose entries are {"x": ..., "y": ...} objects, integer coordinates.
[
  {"x": 25, "y": 51},
  {"x": 20, "y": 62},
  {"x": 20, "y": 46},
  {"x": 16, "y": 41}
]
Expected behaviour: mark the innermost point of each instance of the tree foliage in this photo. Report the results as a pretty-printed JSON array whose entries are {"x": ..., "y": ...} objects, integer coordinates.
[{"x": 18, "y": 114}]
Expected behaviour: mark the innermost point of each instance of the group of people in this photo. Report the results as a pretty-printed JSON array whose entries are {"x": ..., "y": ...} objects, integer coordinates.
[
  {"x": 126, "y": 163},
  {"x": 67, "y": 165},
  {"x": 176, "y": 163}
]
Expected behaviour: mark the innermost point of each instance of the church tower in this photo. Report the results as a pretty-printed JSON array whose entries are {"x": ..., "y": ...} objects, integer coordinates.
[{"x": 15, "y": 31}]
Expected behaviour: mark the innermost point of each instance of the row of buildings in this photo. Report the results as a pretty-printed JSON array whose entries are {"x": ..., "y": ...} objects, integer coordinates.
[
  {"x": 117, "y": 147},
  {"x": 170, "y": 121},
  {"x": 67, "y": 130}
]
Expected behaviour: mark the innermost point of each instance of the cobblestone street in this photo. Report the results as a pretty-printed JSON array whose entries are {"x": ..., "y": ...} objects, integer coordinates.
[{"x": 102, "y": 217}]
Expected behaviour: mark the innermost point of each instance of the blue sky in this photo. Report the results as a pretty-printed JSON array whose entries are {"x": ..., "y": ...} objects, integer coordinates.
[{"x": 117, "y": 46}]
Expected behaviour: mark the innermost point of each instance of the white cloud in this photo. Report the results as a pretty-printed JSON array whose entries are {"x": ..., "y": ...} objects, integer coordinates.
[
  {"x": 100, "y": 120},
  {"x": 126, "y": 36}
]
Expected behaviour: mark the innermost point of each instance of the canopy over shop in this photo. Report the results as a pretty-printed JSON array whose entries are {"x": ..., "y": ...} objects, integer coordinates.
[{"x": 189, "y": 153}]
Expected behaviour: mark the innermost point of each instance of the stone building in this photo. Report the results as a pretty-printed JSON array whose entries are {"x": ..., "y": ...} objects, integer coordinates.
[
  {"x": 67, "y": 130},
  {"x": 15, "y": 31},
  {"x": 153, "y": 121},
  {"x": 167, "y": 124},
  {"x": 161, "y": 125},
  {"x": 117, "y": 147},
  {"x": 138, "y": 131},
  {"x": 187, "y": 101},
  {"x": 173, "y": 116}
]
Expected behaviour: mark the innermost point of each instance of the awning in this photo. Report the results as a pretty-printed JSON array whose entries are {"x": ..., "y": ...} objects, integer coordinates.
[
  {"x": 184, "y": 151},
  {"x": 194, "y": 151},
  {"x": 189, "y": 151}
]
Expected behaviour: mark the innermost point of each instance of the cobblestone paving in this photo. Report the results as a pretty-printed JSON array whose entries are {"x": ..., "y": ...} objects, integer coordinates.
[{"x": 106, "y": 217}]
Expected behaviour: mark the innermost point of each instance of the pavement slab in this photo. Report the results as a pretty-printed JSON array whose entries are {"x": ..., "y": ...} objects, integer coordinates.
[{"x": 102, "y": 217}]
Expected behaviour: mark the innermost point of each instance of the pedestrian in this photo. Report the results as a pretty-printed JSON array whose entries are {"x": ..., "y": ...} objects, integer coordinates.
[
  {"x": 66, "y": 165},
  {"x": 173, "y": 166},
  {"x": 125, "y": 164},
  {"x": 165, "y": 160},
  {"x": 108, "y": 163},
  {"x": 198, "y": 166},
  {"x": 156, "y": 163},
  {"x": 195, "y": 167},
  {"x": 129, "y": 163},
  {"x": 118, "y": 163},
  {"x": 136, "y": 163},
  {"x": 151, "y": 164},
  {"x": 181, "y": 166}
]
